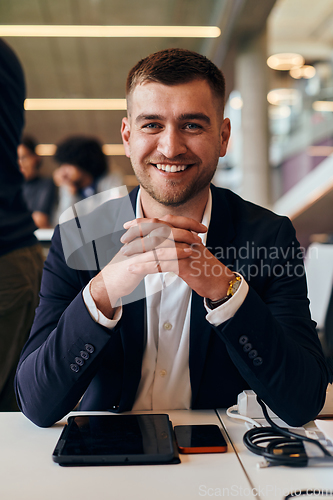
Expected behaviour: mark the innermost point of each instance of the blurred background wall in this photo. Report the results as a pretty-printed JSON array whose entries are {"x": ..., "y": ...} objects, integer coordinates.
[{"x": 277, "y": 57}]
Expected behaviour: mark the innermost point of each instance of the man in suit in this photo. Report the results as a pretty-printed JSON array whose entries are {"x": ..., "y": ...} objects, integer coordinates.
[{"x": 199, "y": 296}]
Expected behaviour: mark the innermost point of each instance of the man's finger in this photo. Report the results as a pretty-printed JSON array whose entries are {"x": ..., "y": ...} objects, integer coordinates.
[
  {"x": 184, "y": 223},
  {"x": 172, "y": 221},
  {"x": 142, "y": 228}
]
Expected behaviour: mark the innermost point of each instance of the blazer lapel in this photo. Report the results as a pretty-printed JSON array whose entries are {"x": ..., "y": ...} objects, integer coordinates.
[{"x": 220, "y": 234}]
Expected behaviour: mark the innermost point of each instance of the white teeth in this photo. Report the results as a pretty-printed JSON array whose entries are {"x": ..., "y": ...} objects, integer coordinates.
[{"x": 171, "y": 168}]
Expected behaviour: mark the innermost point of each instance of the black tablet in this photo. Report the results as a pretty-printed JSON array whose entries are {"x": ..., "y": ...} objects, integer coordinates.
[{"x": 116, "y": 440}]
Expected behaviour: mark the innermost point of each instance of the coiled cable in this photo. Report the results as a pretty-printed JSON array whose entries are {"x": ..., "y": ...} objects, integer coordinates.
[{"x": 279, "y": 446}]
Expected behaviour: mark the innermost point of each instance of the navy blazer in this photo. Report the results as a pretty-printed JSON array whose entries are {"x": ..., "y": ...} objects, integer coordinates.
[{"x": 270, "y": 345}]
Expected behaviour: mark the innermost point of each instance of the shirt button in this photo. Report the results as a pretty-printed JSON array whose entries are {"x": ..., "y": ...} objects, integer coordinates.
[
  {"x": 167, "y": 326},
  {"x": 163, "y": 373}
]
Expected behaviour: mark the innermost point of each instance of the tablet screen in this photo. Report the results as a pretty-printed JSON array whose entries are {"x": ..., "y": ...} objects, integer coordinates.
[{"x": 116, "y": 439}]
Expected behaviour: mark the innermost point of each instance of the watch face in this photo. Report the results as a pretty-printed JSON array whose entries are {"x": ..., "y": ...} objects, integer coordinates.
[{"x": 235, "y": 285}]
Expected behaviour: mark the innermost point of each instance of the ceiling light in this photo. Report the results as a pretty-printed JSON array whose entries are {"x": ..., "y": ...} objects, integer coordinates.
[
  {"x": 74, "y": 104},
  {"x": 279, "y": 112},
  {"x": 288, "y": 97},
  {"x": 285, "y": 62},
  {"x": 305, "y": 71},
  {"x": 110, "y": 31},
  {"x": 45, "y": 149},
  {"x": 108, "y": 149},
  {"x": 323, "y": 105},
  {"x": 113, "y": 149},
  {"x": 236, "y": 103}
]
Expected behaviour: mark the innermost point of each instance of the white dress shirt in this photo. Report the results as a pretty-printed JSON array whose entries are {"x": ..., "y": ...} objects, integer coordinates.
[{"x": 165, "y": 377}]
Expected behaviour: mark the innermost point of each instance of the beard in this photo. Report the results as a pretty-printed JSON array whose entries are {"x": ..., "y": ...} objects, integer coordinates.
[
  {"x": 171, "y": 193},
  {"x": 174, "y": 195}
]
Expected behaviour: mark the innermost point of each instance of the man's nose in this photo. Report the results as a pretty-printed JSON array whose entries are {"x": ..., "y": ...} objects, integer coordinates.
[{"x": 171, "y": 143}]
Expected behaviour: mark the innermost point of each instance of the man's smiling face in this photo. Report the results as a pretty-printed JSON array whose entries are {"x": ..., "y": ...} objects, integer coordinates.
[{"x": 174, "y": 135}]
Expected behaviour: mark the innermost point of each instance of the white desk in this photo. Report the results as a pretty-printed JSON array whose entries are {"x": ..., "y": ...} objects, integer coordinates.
[
  {"x": 274, "y": 483},
  {"x": 27, "y": 471}
]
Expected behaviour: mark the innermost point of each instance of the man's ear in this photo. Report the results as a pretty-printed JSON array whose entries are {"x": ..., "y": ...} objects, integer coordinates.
[
  {"x": 225, "y": 136},
  {"x": 125, "y": 134}
]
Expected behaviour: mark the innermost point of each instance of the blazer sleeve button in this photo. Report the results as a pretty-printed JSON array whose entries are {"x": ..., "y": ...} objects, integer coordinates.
[
  {"x": 252, "y": 354},
  {"x": 247, "y": 347},
  {"x": 257, "y": 361},
  {"x": 243, "y": 340},
  {"x": 74, "y": 367},
  {"x": 79, "y": 361},
  {"x": 84, "y": 355},
  {"x": 89, "y": 348}
]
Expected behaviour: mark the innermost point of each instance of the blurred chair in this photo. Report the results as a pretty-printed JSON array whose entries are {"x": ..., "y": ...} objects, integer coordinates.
[{"x": 319, "y": 270}]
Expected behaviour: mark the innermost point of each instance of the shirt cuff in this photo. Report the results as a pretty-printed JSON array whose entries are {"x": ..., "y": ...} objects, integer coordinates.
[
  {"x": 228, "y": 309},
  {"x": 96, "y": 314}
]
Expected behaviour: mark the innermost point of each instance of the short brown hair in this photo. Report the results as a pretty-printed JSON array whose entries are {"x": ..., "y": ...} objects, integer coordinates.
[{"x": 175, "y": 66}]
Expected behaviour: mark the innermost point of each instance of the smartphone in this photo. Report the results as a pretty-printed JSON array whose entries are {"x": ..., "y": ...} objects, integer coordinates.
[{"x": 200, "y": 439}]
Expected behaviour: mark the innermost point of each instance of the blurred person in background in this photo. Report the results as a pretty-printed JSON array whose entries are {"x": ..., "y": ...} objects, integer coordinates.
[
  {"x": 21, "y": 260},
  {"x": 39, "y": 192},
  {"x": 83, "y": 171}
]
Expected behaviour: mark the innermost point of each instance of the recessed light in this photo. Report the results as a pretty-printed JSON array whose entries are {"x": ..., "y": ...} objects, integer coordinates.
[
  {"x": 109, "y": 31},
  {"x": 279, "y": 112},
  {"x": 113, "y": 149},
  {"x": 287, "y": 97},
  {"x": 285, "y": 61},
  {"x": 74, "y": 104},
  {"x": 236, "y": 103},
  {"x": 323, "y": 106},
  {"x": 108, "y": 149},
  {"x": 46, "y": 149},
  {"x": 305, "y": 71}
]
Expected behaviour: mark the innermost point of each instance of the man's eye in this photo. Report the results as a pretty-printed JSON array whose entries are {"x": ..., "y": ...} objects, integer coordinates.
[
  {"x": 193, "y": 126},
  {"x": 151, "y": 126}
]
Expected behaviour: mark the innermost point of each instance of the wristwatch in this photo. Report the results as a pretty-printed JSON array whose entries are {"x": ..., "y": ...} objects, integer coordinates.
[{"x": 234, "y": 284}]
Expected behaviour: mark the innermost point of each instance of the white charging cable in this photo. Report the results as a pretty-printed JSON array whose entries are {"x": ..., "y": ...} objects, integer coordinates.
[{"x": 232, "y": 412}]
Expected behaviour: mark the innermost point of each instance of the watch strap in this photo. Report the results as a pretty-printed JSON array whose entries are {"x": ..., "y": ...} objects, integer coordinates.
[{"x": 234, "y": 284}]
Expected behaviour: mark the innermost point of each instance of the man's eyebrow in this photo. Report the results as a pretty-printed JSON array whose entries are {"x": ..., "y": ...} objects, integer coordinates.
[
  {"x": 182, "y": 117},
  {"x": 143, "y": 116},
  {"x": 194, "y": 116}
]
